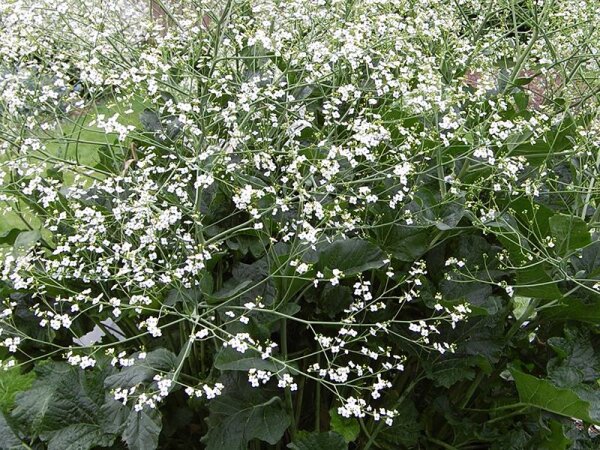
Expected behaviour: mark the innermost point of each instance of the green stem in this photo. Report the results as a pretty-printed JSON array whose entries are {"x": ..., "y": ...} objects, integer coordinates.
[{"x": 288, "y": 394}]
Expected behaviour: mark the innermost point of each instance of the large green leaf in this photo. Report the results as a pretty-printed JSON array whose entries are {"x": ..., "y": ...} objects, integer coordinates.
[
  {"x": 351, "y": 256},
  {"x": 318, "y": 441},
  {"x": 243, "y": 413},
  {"x": 25, "y": 241},
  {"x": 404, "y": 431},
  {"x": 63, "y": 406},
  {"x": 143, "y": 429},
  {"x": 80, "y": 436},
  {"x": 542, "y": 394},
  {"x": 8, "y": 439},
  {"x": 11, "y": 382},
  {"x": 230, "y": 359},
  {"x": 569, "y": 232},
  {"x": 404, "y": 242},
  {"x": 142, "y": 370},
  {"x": 348, "y": 428}
]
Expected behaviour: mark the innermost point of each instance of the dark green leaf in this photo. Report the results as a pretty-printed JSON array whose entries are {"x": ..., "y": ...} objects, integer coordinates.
[
  {"x": 542, "y": 394},
  {"x": 150, "y": 120},
  {"x": 318, "y": 441},
  {"x": 230, "y": 359},
  {"x": 143, "y": 429},
  {"x": 64, "y": 407},
  {"x": 242, "y": 413},
  {"x": 348, "y": 428},
  {"x": 8, "y": 439},
  {"x": 11, "y": 382},
  {"x": 569, "y": 232},
  {"x": 142, "y": 369},
  {"x": 351, "y": 256}
]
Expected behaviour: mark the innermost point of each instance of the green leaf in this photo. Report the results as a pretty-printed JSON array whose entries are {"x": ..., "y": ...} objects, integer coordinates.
[
  {"x": 25, "y": 241},
  {"x": 534, "y": 281},
  {"x": 230, "y": 290},
  {"x": 143, "y": 369},
  {"x": 143, "y": 429},
  {"x": 63, "y": 406},
  {"x": 242, "y": 413},
  {"x": 404, "y": 242},
  {"x": 569, "y": 232},
  {"x": 230, "y": 359},
  {"x": 318, "y": 441},
  {"x": 348, "y": 428},
  {"x": 573, "y": 309},
  {"x": 150, "y": 120},
  {"x": 404, "y": 431},
  {"x": 542, "y": 394},
  {"x": 8, "y": 439},
  {"x": 351, "y": 256},
  {"x": 556, "y": 439},
  {"x": 11, "y": 382},
  {"x": 80, "y": 436},
  {"x": 9, "y": 236}
]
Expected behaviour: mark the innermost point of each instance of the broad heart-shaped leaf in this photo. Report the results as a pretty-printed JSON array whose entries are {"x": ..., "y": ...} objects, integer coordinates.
[
  {"x": 569, "y": 232},
  {"x": 242, "y": 413},
  {"x": 351, "y": 256},
  {"x": 143, "y": 369},
  {"x": 143, "y": 429},
  {"x": 542, "y": 394},
  {"x": 63, "y": 406},
  {"x": 318, "y": 441},
  {"x": 230, "y": 359}
]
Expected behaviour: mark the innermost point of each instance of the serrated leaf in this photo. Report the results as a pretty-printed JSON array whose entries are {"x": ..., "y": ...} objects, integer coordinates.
[
  {"x": 542, "y": 394},
  {"x": 63, "y": 406},
  {"x": 142, "y": 429},
  {"x": 242, "y": 413},
  {"x": 318, "y": 441},
  {"x": 351, "y": 256},
  {"x": 80, "y": 436}
]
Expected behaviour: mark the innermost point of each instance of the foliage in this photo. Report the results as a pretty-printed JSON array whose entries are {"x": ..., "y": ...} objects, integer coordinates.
[{"x": 299, "y": 224}]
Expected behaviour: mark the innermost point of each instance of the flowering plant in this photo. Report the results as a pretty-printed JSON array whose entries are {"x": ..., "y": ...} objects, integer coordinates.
[{"x": 320, "y": 224}]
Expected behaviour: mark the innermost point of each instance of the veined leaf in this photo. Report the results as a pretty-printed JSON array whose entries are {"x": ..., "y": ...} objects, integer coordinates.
[
  {"x": 351, "y": 256},
  {"x": 143, "y": 429},
  {"x": 230, "y": 359},
  {"x": 243, "y": 413},
  {"x": 542, "y": 394},
  {"x": 318, "y": 441}
]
